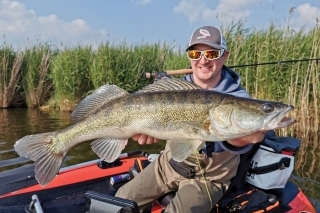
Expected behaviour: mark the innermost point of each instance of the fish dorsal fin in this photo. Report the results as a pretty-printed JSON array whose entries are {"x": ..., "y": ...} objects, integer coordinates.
[
  {"x": 95, "y": 100},
  {"x": 169, "y": 84}
]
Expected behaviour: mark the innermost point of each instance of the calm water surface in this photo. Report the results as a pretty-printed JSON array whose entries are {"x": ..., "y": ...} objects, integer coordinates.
[{"x": 16, "y": 123}]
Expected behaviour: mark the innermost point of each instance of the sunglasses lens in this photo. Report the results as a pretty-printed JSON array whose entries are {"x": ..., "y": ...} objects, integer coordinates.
[
  {"x": 208, "y": 54},
  {"x": 212, "y": 54},
  {"x": 194, "y": 54}
]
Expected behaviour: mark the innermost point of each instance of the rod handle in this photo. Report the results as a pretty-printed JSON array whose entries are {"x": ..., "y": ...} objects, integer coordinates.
[{"x": 148, "y": 75}]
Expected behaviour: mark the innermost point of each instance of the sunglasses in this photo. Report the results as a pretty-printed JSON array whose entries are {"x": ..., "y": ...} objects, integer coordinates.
[{"x": 208, "y": 54}]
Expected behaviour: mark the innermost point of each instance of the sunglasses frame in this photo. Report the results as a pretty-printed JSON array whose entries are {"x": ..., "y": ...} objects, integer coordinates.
[{"x": 202, "y": 53}]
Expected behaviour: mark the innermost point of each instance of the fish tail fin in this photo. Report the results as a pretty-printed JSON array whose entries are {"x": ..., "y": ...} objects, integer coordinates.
[{"x": 38, "y": 148}]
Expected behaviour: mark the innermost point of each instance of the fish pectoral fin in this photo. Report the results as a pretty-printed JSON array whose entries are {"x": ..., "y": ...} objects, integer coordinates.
[
  {"x": 183, "y": 148},
  {"x": 202, "y": 126},
  {"x": 95, "y": 100},
  {"x": 108, "y": 149}
]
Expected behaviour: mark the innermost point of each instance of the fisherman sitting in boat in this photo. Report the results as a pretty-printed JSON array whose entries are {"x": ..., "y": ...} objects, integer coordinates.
[{"x": 201, "y": 180}]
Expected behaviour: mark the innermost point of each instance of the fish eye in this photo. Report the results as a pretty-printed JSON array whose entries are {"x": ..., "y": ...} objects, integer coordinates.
[{"x": 268, "y": 108}]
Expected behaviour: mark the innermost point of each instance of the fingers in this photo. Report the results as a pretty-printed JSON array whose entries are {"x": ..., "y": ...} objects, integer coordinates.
[
  {"x": 136, "y": 137},
  {"x": 145, "y": 139}
]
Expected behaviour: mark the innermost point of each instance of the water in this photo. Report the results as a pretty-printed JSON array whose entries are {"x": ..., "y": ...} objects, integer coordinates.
[{"x": 16, "y": 123}]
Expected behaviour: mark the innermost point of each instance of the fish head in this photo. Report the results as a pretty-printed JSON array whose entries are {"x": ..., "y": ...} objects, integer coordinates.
[{"x": 242, "y": 116}]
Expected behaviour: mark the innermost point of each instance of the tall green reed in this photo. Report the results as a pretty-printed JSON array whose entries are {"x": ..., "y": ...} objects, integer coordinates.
[
  {"x": 10, "y": 77},
  {"x": 125, "y": 65},
  {"x": 36, "y": 83},
  {"x": 70, "y": 76}
]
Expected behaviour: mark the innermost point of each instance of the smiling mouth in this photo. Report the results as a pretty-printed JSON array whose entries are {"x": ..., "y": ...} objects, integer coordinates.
[{"x": 205, "y": 68}]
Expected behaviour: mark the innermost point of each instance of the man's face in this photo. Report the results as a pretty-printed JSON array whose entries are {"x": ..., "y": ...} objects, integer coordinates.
[{"x": 205, "y": 70}]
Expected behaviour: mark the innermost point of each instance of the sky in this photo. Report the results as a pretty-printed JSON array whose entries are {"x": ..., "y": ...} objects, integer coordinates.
[{"x": 25, "y": 23}]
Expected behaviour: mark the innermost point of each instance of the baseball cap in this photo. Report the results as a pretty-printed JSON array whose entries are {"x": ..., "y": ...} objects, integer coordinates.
[{"x": 210, "y": 36}]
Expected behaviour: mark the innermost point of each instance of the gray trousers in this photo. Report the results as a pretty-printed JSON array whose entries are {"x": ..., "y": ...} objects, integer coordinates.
[{"x": 198, "y": 194}]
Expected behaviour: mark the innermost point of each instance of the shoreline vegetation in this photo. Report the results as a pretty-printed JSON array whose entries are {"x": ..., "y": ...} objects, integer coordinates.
[{"x": 46, "y": 78}]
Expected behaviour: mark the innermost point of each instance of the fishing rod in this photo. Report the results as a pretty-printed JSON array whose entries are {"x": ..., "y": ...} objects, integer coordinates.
[{"x": 151, "y": 74}]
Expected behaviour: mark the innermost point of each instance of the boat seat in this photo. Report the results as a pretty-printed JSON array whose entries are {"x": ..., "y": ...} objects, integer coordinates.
[{"x": 104, "y": 203}]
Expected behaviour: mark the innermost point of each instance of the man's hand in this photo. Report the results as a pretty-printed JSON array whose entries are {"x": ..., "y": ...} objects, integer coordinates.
[
  {"x": 245, "y": 140},
  {"x": 145, "y": 139}
]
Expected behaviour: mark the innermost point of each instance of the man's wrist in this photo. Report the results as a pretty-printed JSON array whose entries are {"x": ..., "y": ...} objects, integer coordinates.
[
  {"x": 235, "y": 144},
  {"x": 233, "y": 149}
]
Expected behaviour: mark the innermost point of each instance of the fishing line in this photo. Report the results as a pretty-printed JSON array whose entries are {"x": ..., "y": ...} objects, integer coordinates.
[
  {"x": 159, "y": 75},
  {"x": 205, "y": 182},
  {"x": 276, "y": 62}
]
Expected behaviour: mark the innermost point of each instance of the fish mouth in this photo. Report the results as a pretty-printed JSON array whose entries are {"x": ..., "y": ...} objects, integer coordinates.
[
  {"x": 281, "y": 121},
  {"x": 285, "y": 122}
]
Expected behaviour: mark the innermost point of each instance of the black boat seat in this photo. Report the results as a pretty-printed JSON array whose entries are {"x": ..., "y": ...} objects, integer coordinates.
[{"x": 104, "y": 203}]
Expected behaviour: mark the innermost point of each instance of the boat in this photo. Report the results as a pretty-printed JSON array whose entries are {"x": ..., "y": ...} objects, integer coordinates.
[{"x": 90, "y": 187}]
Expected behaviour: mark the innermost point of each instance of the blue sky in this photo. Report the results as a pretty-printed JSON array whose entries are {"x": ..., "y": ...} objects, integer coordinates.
[{"x": 72, "y": 22}]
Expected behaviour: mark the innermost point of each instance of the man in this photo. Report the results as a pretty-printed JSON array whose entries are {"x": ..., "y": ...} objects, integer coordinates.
[{"x": 202, "y": 179}]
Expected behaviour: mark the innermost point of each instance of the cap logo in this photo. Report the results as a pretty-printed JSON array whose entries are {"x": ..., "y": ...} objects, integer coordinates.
[{"x": 205, "y": 34}]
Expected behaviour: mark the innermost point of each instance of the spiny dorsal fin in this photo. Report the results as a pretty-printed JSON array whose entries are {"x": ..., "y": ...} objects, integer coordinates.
[
  {"x": 169, "y": 84},
  {"x": 95, "y": 100}
]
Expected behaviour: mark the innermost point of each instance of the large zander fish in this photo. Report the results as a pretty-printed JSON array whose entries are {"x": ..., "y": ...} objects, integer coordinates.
[{"x": 169, "y": 109}]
